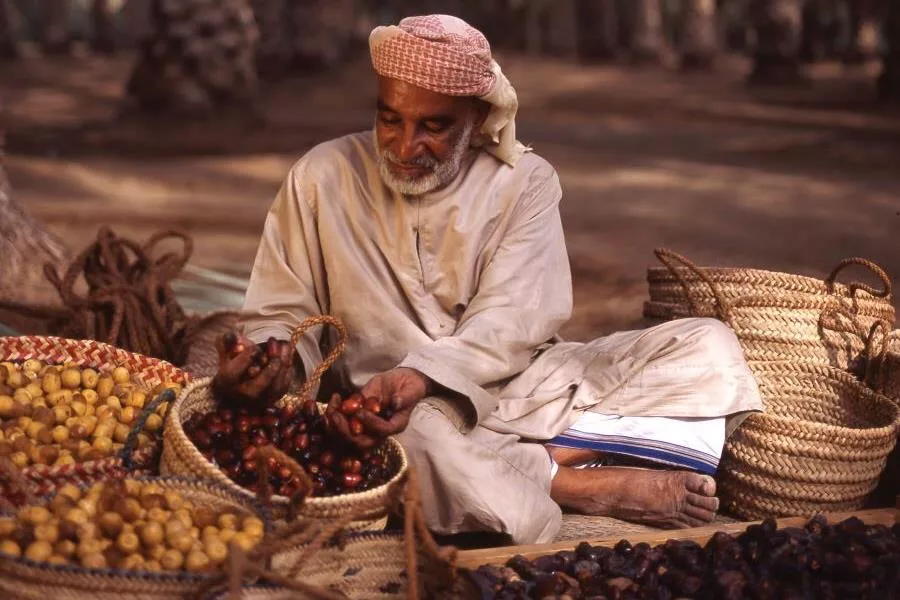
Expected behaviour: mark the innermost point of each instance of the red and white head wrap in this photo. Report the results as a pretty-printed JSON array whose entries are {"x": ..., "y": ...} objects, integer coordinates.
[{"x": 446, "y": 55}]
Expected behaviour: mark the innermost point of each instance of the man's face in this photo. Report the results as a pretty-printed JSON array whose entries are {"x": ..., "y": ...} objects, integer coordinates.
[{"x": 422, "y": 136}]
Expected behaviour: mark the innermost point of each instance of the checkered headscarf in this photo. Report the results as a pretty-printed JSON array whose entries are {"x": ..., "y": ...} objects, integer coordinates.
[{"x": 446, "y": 55}]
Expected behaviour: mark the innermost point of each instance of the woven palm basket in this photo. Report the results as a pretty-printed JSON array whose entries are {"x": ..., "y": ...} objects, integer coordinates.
[
  {"x": 146, "y": 371},
  {"x": 181, "y": 457},
  {"x": 22, "y": 579},
  {"x": 776, "y": 316},
  {"x": 820, "y": 445},
  {"x": 335, "y": 562}
]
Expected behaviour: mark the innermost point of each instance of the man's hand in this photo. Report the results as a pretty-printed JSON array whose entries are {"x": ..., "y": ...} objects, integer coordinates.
[
  {"x": 399, "y": 390},
  {"x": 236, "y": 379}
]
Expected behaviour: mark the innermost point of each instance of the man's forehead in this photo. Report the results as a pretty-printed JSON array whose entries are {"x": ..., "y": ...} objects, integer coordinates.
[{"x": 407, "y": 98}]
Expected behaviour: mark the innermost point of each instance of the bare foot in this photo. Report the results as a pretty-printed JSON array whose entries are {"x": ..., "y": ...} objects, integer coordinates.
[
  {"x": 668, "y": 499},
  {"x": 569, "y": 457}
]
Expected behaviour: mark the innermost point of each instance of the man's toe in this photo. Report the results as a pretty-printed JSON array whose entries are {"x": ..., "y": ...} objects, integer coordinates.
[
  {"x": 701, "y": 484},
  {"x": 707, "y": 503}
]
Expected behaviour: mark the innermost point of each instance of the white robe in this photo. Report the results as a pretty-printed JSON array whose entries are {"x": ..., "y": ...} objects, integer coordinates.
[{"x": 470, "y": 285}]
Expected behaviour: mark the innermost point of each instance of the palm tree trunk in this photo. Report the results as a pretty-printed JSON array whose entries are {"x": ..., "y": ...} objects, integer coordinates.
[
  {"x": 322, "y": 31},
  {"x": 647, "y": 32},
  {"x": 699, "y": 38},
  {"x": 863, "y": 31},
  {"x": 274, "y": 51},
  {"x": 26, "y": 245},
  {"x": 598, "y": 29},
  {"x": 104, "y": 29},
  {"x": 200, "y": 56},
  {"x": 9, "y": 46},
  {"x": 55, "y": 37},
  {"x": 889, "y": 81},
  {"x": 776, "y": 58}
]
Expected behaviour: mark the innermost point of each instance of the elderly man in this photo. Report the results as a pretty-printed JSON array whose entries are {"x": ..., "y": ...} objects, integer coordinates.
[{"x": 436, "y": 238}]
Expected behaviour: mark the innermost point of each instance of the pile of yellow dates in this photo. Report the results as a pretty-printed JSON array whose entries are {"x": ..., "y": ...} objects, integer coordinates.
[
  {"x": 63, "y": 414},
  {"x": 130, "y": 525}
]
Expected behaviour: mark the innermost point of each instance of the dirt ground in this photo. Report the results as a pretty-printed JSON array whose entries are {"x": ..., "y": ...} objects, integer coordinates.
[{"x": 788, "y": 179}]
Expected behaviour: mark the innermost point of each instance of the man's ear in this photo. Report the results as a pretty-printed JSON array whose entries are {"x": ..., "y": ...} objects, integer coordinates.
[{"x": 482, "y": 109}]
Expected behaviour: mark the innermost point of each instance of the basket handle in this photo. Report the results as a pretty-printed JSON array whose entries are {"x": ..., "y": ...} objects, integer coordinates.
[
  {"x": 875, "y": 354},
  {"x": 668, "y": 258},
  {"x": 329, "y": 360},
  {"x": 127, "y": 451},
  {"x": 855, "y": 285},
  {"x": 253, "y": 564}
]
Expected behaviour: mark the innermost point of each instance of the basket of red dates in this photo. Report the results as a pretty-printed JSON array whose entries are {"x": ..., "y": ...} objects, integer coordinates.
[{"x": 207, "y": 438}]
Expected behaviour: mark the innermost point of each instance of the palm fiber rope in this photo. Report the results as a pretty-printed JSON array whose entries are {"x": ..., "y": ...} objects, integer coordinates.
[{"x": 129, "y": 301}]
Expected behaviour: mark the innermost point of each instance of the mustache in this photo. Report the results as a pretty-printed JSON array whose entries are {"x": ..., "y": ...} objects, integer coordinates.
[{"x": 423, "y": 161}]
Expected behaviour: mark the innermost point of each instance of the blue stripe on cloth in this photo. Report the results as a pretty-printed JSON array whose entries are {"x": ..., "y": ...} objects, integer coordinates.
[{"x": 649, "y": 450}]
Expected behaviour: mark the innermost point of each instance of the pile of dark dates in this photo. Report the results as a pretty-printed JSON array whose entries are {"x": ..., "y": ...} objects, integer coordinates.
[
  {"x": 231, "y": 435},
  {"x": 818, "y": 561}
]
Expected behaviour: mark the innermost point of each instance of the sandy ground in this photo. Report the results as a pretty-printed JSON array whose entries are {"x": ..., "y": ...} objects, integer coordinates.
[{"x": 700, "y": 163}]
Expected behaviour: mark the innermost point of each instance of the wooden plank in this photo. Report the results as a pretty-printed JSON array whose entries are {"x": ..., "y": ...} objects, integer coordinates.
[{"x": 498, "y": 556}]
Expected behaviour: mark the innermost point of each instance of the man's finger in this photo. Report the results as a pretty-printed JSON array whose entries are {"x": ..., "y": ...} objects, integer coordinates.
[
  {"x": 338, "y": 422},
  {"x": 375, "y": 424},
  {"x": 282, "y": 380},
  {"x": 286, "y": 353},
  {"x": 256, "y": 386},
  {"x": 374, "y": 388},
  {"x": 238, "y": 364}
]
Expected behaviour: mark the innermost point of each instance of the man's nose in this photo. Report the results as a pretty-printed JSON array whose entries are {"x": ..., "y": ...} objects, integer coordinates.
[{"x": 410, "y": 144}]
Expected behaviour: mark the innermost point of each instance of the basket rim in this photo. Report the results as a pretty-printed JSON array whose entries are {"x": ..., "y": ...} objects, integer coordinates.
[
  {"x": 771, "y": 369},
  {"x": 258, "y": 508},
  {"x": 175, "y": 428},
  {"x": 776, "y": 279}
]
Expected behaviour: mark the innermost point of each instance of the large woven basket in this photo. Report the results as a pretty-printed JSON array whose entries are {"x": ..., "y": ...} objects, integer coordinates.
[
  {"x": 181, "y": 457},
  {"x": 820, "y": 445},
  {"x": 147, "y": 372},
  {"x": 339, "y": 563},
  {"x": 22, "y": 579},
  {"x": 776, "y": 316}
]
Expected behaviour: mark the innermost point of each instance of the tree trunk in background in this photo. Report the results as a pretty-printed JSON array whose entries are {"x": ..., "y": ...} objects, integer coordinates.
[
  {"x": 200, "y": 56},
  {"x": 323, "y": 31},
  {"x": 562, "y": 29},
  {"x": 54, "y": 26},
  {"x": 598, "y": 29},
  {"x": 9, "y": 24},
  {"x": 864, "y": 31},
  {"x": 275, "y": 48},
  {"x": 776, "y": 58},
  {"x": 25, "y": 246},
  {"x": 699, "y": 33},
  {"x": 103, "y": 28},
  {"x": 647, "y": 31},
  {"x": 889, "y": 81}
]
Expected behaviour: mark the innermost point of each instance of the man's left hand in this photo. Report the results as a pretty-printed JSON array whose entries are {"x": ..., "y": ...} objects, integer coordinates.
[{"x": 400, "y": 389}]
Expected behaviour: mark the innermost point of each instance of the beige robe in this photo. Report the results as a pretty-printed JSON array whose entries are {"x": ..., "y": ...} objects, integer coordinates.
[{"x": 469, "y": 285}]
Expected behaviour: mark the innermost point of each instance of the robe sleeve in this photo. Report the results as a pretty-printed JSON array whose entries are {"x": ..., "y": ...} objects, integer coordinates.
[
  {"x": 283, "y": 286},
  {"x": 523, "y": 298}
]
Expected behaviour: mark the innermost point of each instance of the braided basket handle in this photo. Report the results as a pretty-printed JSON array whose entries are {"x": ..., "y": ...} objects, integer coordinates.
[
  {"x": 127, "y": 451},
  {"x": 669, "y": 258},
  {"x": 875, "y": 353},
  {"x": 329, "y": 360},
  {"x": 854, "y": 286}
]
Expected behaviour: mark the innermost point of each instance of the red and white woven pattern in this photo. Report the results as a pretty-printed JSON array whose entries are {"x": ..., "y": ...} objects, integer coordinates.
[
  {"x": 146, "y": 370},
  {"x": 440, "y": 53}
]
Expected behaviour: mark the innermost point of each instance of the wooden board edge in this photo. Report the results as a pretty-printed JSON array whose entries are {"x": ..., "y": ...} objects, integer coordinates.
[{"x": 498, "y": 556}]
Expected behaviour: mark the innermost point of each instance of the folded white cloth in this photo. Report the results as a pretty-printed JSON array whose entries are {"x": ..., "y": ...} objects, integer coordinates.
[{"x": 694, "y": 444}]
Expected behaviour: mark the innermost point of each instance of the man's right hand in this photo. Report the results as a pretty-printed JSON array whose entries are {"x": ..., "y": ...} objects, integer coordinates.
[{"x": 233, "y": 383}]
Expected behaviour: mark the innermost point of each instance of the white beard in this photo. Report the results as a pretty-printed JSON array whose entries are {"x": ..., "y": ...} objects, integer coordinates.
[{"x": 441, "y": 173}]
